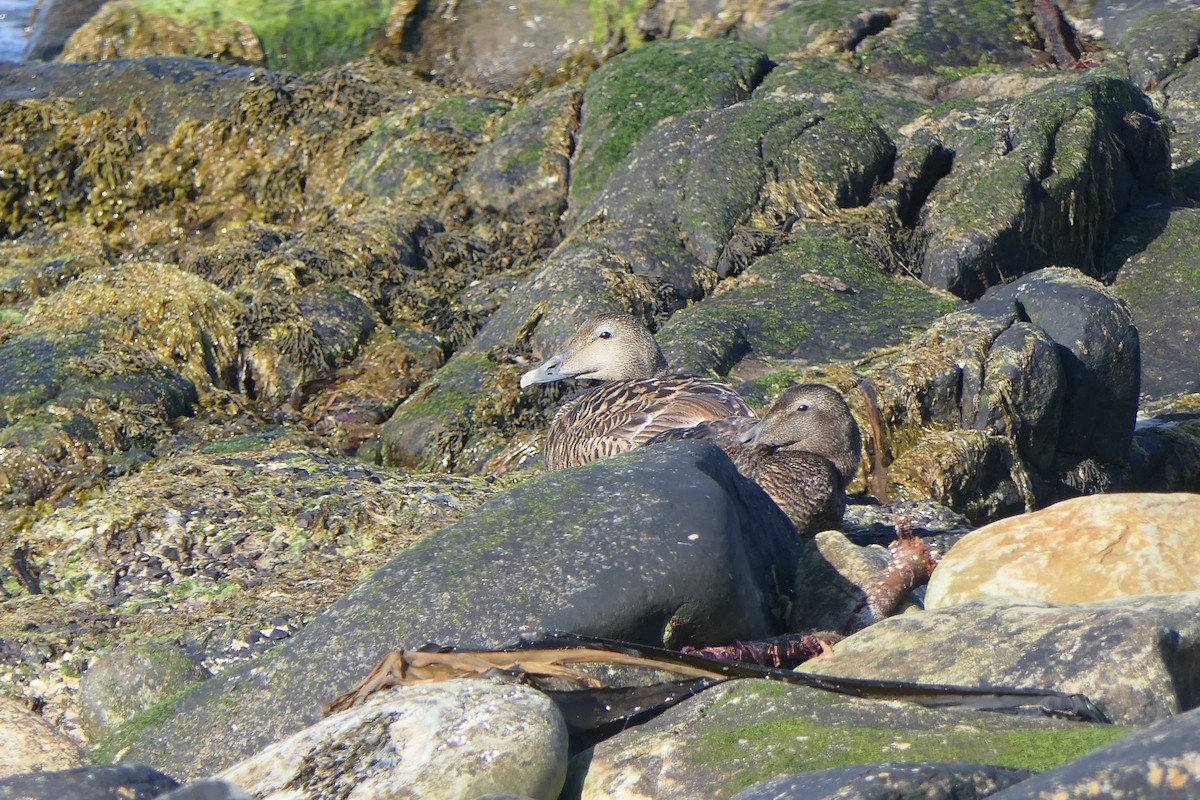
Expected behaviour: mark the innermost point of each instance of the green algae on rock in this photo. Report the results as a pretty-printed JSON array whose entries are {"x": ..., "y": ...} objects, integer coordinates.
[
  {"x": 280, "y": 34},
  {"x": 632, "y": 92},
  {"x": 779, "y": 307},
  {"x": 744, "y": 731}
]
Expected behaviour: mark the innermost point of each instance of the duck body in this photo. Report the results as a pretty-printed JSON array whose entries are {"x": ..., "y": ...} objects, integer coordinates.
[
  {"x": 803, "y": 453},
  {"x": 636, "y": 400}
]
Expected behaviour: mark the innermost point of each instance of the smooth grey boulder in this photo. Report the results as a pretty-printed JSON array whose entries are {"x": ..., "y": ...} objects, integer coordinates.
[{"x": 666, "y": 545}]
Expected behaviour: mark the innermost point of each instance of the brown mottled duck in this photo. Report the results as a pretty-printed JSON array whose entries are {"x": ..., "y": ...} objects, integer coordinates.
[
  {"x": 803, "y": 452},
  {"x": 636, "y": 399}
]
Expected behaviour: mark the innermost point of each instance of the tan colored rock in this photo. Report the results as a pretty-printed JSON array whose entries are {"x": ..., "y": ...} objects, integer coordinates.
[
  {"x": 31, "y": 744},
  {"x": 1078, "y": 551}
]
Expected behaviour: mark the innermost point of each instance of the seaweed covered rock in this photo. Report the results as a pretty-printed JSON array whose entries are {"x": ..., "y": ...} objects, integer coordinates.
[
  {"x": 300, "y": 37},
  {"x": 678, "y": 548},
  {"x": 1018, "y": 373},
  {"x": 1038, "y": 181},
  {"x": 819, "y": 298},
  {"x": 1157, "y": 275},
  {"x": 931, "y": 34},
  {"x": 632, "y": 92}
]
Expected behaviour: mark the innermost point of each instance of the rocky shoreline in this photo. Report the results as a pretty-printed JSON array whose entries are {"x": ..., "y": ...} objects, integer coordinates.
[{"x": 267, "y": 291}]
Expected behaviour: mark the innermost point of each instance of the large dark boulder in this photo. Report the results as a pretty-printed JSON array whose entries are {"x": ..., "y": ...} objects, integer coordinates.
[{"x": 667, "y": 545}]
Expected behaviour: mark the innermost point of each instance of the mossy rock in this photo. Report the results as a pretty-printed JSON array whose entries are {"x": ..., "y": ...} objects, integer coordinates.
[
  {"x": 281, "y": 34},
  {"x": 818, "y": 299},
  {"x": 632, "y": 92},
  {"x": 1158, "y": 43},
  {"x": 1157, "y": 266},
  {"x": 745, "y": 731},
  {"x": 949, "y": 33},
  {"x": 1038, "y": 181},
  {"x": 185, "y": 321},
  {"x": 524, "y": 169},
  {"x": 807, "y": 25},
  {"x": 416, "y": 155},
  {"x": 825, "y": 84}
]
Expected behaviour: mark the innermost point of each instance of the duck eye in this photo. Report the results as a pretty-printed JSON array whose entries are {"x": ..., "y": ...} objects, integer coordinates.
[{"x": 605, "y": 334}]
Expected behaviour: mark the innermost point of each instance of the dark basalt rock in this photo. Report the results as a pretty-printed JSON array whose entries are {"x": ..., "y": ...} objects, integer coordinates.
[
  {"x": 677, "y": 548},
  {"x": 118, "y": 782}
]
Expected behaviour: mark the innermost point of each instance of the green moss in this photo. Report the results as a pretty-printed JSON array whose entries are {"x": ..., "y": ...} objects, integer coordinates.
[
  {"x": 297, "y": 35},
  {"x": 638, "y": 89},
  {"x": 756, "y": 752},
  {"x": 786, "y": 304},
  {"x": 133, "y": 730},
  {"x": 611, "y": 18}
]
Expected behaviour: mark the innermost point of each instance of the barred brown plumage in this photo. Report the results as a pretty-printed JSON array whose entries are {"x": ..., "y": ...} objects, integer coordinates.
[{"x": 636, "y": 400}]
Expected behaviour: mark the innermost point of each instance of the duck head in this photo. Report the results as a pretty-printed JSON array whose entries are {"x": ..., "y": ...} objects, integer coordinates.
[
  {"x": 814, "y": 418},
  {"x": 607, "y": 347}
]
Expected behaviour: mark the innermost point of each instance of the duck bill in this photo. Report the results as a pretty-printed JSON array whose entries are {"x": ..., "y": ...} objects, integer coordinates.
[{"x": 546, "y": 372}]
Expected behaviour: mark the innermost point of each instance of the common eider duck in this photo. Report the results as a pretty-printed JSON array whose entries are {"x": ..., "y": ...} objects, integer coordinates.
[
  {"x": 636, "y": 399},
  {"x": 803, "y": 453}
]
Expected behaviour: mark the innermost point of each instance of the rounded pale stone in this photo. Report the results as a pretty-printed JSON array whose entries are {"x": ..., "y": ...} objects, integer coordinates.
[
  {"x": 450, "y": 739},
  {"x": 1077, "y": 551},
  {"x": 32, "y": 744}
]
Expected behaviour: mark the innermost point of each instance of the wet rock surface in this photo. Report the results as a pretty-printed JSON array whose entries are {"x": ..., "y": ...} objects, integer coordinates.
[{"x": 263, "y": 313}]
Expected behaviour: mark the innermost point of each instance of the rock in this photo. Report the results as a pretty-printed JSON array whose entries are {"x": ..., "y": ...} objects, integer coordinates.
[
  {"x": 31, "y": 744},
  {"x": 298, "y": 39},
  {"x": 118, "y": 782},
  {"x": 817, "y": 299},
  {"x": 447, "y": 740},
  {"x": 56, "y": 20},
  {"x": 627, "y": 96},
  {"x": 889, "y": 780},
  {"x": 1027, "y": 361},
  {"x": 1012, "y": 165},
  {"x": 735, "y": 735},
  {"x": 182, "y": 319},
  {"x": 1182, "y": 95},
  {"x": 831, "y": 580},
  {"x": 1078, "y": 551},
  {"x": 976, "y": 473},
  {"x": 1100, "y": 351},
  {"x": 1134, "y": 658},
  {"x": 1156, "y": 275},
  {"x": 206, "y": 790},
  {"x": 950, "y": 35},
  {"x": 417, "y": 158},
  {"x": 523, "y": 171},
  {"x": 677, "y": 549},
  {"x": 1158, "y": 43},
  {"x": 1153, "y": 763},
  {"x": 128, "y": 679}
]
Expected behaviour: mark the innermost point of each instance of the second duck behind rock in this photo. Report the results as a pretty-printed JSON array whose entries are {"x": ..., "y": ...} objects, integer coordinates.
[
  {"x": 803, "y": 453},
  {"x": 636, "y": 401}
]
